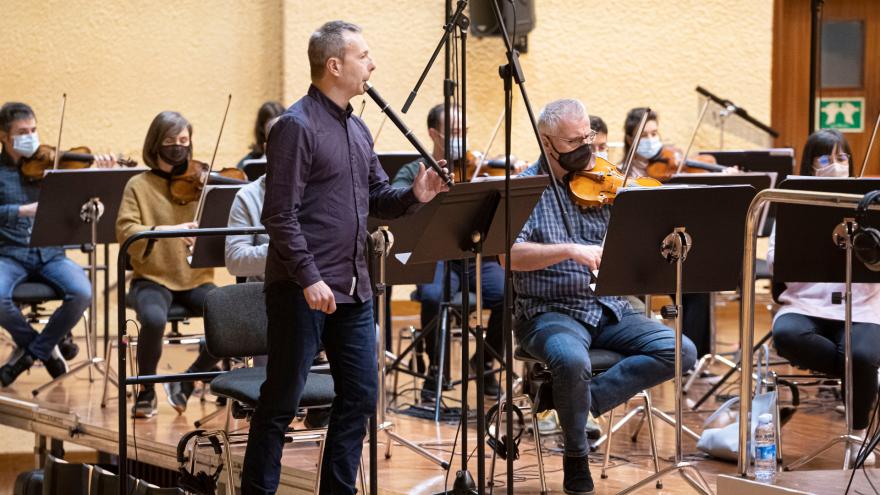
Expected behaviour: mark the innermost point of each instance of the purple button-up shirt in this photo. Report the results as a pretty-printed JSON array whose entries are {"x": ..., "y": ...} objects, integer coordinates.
[{"x": 322, "y": 181}]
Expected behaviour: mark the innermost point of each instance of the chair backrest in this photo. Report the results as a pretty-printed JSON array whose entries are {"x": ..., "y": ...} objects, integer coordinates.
[
  {"x": 63, "y": 478},
  {"x": 103, "y": 482},
  {"x": 235, "y": 321}
]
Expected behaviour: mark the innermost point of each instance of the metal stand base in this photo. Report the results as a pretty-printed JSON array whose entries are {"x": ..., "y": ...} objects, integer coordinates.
[
  {"x": 847, "y": 440},
  {"x": 688, "y": 472},
  {"x": 705, "y": 363}
]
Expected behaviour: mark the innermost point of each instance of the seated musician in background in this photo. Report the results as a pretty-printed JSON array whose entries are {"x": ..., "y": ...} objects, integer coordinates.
[
  {"x": 600, "y": 142},
  {"x": 268, "y": 111},
  {"x": 19, "y": 262},
  {"x": 246, "y": 254},
  {"x": 162, "y": 274},
  {"x": 431, "y": 295},
  {"x": 696, "y": 312},
  {"x": 559, "y": 318},
  {"x": 808, "y": 328}
]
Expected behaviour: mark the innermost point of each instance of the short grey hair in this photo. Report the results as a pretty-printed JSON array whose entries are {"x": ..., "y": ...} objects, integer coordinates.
[
  {"x": 556, "y": 111},
  {"x": 328, "y": 41}
]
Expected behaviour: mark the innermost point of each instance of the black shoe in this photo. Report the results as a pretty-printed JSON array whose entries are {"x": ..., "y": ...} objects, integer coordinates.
[
  {"x": 317, "y": 417},
  {"x": 144, "y": 405},
  {"x": 577, "y": 478},
  {"x": 56, "y": 365},
  {"x": 429, "y": 389},
  {"x": 69, "y": 349},
  {"x": 491, "y": 388},
  {"x": 178, "y": 394},
  {"x": 20, "y": 362}
]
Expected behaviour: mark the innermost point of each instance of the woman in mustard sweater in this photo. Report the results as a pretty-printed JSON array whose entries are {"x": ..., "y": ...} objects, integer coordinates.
[{"x": 161, "y": 272}]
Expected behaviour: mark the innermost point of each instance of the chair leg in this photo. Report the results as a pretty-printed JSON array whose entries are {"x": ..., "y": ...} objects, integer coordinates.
[
  {"x": 320, "y": 463},
  {"x": 363, "y": 476},
  {"x": 538, "y": 452},
  {"x": 608, "y": 443},
  {"x": 649, "y": 414}
]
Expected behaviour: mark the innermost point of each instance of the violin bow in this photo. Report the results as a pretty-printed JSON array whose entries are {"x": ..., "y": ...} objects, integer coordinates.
[
  {"x": 483, "y": 159},
  {"x": 636, "y": 137},
  {"x": 60, "y": 128},
  {"x": 200, "y": 207},
  {"x": 870, "y": 147},
  {"x": 687, "y": 151}
]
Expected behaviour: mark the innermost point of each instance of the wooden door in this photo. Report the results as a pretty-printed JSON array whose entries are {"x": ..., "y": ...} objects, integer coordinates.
[{"x": 791, "y": 72}]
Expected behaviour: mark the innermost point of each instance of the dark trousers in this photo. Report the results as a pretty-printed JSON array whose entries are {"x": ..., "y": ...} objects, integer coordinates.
[
  {"x": 695, "y": 322},
  {"x": 151, "y": 302},
  {"x": 431, "y": 296},
  {"x": 295, "y": 332},
  {"x": 817, "y": 344}
]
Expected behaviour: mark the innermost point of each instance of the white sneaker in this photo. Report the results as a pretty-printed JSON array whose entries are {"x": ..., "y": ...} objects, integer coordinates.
[{"x": 548, "y": 422}]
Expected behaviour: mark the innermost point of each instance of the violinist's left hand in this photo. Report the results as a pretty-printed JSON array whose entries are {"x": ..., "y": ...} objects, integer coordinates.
[
  {"x": 731, "y": 170},
  {"x": 105, "y": 161},
  {"x": 428, "y": 184}
]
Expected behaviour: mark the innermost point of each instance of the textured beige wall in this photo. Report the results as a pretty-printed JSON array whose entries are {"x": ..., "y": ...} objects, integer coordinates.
[
  {"x": 123, "y": 62},
  {"x": 613, "y": 55}
]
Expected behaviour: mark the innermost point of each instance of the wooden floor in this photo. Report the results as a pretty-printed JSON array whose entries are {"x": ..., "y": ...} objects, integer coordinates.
[{"x": 72, "y": 411}]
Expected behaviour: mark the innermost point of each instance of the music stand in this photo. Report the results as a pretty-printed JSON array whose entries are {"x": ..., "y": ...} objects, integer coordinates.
[
  {"x": 814, "y": 244},
  {"x": 254, "y": 168},
  {"x": 393, "y": 161},
  {"x": 481, "y": 234},
  {"x": 72, "y": 205},
  {"x": 702, "y": 225},
  {"x": 760, "y": 181},
  {"x": 210, "y": 252}
]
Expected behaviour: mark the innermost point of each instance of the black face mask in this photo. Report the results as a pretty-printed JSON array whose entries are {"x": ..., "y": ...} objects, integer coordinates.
[
  {"x": 576, "y": 159},
  {"x": 175, "y": 155}
]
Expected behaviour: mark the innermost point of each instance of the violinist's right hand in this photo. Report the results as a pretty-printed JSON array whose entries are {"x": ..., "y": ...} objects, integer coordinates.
[
  {"x": 29, "y": 210},
  {"x": 189, "y": 241},
  {"x": 590, "y": 256},
  {"x": 320, "y": 297}
]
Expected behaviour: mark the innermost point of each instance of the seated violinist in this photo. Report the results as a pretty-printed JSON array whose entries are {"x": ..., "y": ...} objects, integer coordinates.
[
  {"x": 559, "y": 318},
  {"x": 19, "y": 262},
  {"x": 161, "y": 272},
  {"x": 431, "y": 295},
  {"x": 808, "y": 328}
]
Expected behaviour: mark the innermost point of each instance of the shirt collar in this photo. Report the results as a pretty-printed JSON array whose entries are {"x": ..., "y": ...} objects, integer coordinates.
[{"x": 328, "y": 104}]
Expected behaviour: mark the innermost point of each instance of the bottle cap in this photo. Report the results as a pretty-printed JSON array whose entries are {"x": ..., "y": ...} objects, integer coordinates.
[{"x": 765, "y": 418}]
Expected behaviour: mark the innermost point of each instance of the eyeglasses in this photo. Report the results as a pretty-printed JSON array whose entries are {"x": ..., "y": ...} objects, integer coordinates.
[
  {"x": 589, "y": 138},
  {"x": 825, "y": 160}
]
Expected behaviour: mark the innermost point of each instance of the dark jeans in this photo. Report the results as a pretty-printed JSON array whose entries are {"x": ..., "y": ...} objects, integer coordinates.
[
  {"x": 695, "y": 321},
  {"x": 431, "y": 295},
  {"x": 817, "y": 344},
  {"x": 151, "y": 302},
  {"x": 59, "y": 272},
  {"x": 295, "y": 332},
  {"x": 562, "y": 343}
]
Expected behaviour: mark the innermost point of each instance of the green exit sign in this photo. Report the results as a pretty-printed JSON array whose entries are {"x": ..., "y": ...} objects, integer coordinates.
[{"x": 846, "y": 114}]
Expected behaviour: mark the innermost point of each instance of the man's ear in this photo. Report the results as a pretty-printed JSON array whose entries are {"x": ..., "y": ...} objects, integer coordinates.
[{"x": 333, "y": 66}]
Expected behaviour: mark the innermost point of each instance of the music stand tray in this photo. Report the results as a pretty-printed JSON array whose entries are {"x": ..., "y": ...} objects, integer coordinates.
[
  {"x": 210, "y": 252},
  {"x": 758, "y": 180},
  {"x": 254, "y": 168},
  {"x": 62, "y": 195}
]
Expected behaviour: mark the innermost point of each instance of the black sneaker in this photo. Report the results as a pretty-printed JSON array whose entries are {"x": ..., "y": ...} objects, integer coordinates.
[
  {"x": 56, "y": 365},
  {"x": 317, "y": 417},
  {"x": 577, "y": 478},
  {"x": 491, "y": 388},
  {"x": 429, "y": 388},
  {"x": 145, "y": 404},
  {"x": 178, "y": 394},
  {"x": 69, "y": 349},
  {"x": 20, "y": 362}
]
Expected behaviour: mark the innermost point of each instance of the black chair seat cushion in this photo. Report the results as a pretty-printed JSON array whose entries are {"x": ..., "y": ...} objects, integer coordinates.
[
  {"x": 600, "y": 359},
  {"x": 243, "y": 385},
  {"x": 34, "y": 292},
  {"x": 180, "y": 312}
]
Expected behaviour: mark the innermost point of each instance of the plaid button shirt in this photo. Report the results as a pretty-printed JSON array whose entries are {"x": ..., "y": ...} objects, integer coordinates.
[{"x": 563, "y": 287}]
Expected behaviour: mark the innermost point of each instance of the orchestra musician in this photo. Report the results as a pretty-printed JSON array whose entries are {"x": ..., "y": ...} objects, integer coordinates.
[
  {"x": 323, "y": 179},
  {"x": 268, "y": 111},
  {"x": 19, "y": 262},
  {"x": 808, "y": 328},
  {"x": 162, "y": 274},
  {"x": 431, "y": 295},
  {"x": 600, "y": 143},
  {"x": 559, "y": 318}
]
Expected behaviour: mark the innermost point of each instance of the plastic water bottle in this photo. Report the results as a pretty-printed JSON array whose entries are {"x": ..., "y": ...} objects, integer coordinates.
[{"x": 765, "y": 449}]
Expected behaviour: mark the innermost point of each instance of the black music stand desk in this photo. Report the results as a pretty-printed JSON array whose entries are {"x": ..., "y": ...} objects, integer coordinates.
[{"x": 210, "y": 252}]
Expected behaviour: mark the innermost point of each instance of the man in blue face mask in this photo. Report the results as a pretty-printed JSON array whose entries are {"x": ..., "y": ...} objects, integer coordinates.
[{"x": 19, "y": 262}]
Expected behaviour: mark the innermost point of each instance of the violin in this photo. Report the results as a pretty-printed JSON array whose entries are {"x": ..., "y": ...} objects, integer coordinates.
[
  {"x": 665, "y": 165},
  {"x": 599, "y": 185},
  {"x": 187, "y": 187},
  {"x": 476, "y": 163},
  {"x": 75, "y": 158}
]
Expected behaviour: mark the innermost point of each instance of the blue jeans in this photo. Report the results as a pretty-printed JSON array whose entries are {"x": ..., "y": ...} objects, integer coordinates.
[
  {"x": 64, "y": 276},
  {"x": 562, "y": 342},
  {"x": 295, "y": 332},
  {"x": 431, "y": 295}
]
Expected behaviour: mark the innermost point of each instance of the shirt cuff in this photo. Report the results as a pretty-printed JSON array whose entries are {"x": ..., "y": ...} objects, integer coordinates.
[{"x": 308, "y": 275}]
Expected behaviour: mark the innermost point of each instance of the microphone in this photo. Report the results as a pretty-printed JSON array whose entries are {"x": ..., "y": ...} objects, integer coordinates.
[{"x": 407, "y": 133}]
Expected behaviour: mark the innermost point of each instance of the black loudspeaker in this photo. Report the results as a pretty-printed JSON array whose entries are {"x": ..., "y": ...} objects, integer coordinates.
[
  {"x": 484, "y": 23},
  {"x": 866, "y": 240}
]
